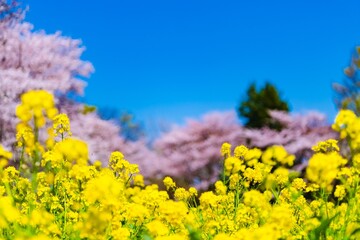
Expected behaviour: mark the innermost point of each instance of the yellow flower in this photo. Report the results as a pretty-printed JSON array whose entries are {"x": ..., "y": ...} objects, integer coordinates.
[
  {"x": 298, "y": 184},
  {"x": 157, "y": 228},
  {"x": 323, "y": 168},
  {"x": 10, "y": 174},
  {"x": 193, "y": 191},
  {"x": 54, "y": 158},
  {"x": 36, "y": 105},
  {"x": 281, "y": 175},
  {"x": 8, "y": 213},
  {"x": 343, "y": 119},
  {"x": 282, "y": 220},
  {"x": 173, "y": 213},
  {"x": 71, "y": 199},
  {"x": 5, "y": 156},
  {"x": 209, "y": 199},
  {"x": 121, "y": 166},
  {"x": 173, "y": 237},
  {"x": 232, "y": 165},
  {"x": 61, "y": 125},
  {"x": 181, "y": 194},
  {"x": 104, "y": 188},
  {"x": 312, "y": 188},
  {"x": 277, "y": 154},
  {"x": 340, "y": 192},
  {"x": 255, "y": 198},
  {"x": 136, "y": 214},
  {"x": 82, "y": 173},
  {"x": 120, "y": 233},
  {"x": 252, "y": 156},
  {"x": 258, "y": 173},
  {"x": 223, "y": 236},
  {"x": 94, "y": 223},
  {"x": 25, "y": 138},
  {"x": 73, "y": 151},
  {"x": 226, "y": 150},
  {"x": 139, "y": 180},
  {"x": 240, "y": 151},
  {"x": 326, "y": 146},
  {"x": 234, "y": 181},
  {"x": 169, "y": 183},
  {"x": 220, "y": 188}
]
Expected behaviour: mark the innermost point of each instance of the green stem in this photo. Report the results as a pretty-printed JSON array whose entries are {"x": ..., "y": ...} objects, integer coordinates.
[{"x": 223, "y": 172}]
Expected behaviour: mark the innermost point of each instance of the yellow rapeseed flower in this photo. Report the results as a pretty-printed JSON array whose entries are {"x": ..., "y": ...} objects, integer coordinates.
[
  {"x": 181, "y": 194},
  {"x": 169, "y": 183},
  {"x": 5, "y": 156},
  {"x": 226, "y": 150},
  {"x": 36, "y": 105},
  {"x": 298, "y": 184},
  {"x": 233, "y": 165},
  {"x": 73, "y": 151},
  {"x": 340, "y": 192},
  {"x": 139, "y": 180},
  {"x": 343, "y": 119},
  {"x": 61, "y": 125},
  {"x": 240, "y": 151},
  {"x": 323, "y": 168},
  {"x": 277, "y": 154},
  {"x": 157, "y": 228},
  {"x": 329, "y": 145},
  {"x": 252, "y": 156}
]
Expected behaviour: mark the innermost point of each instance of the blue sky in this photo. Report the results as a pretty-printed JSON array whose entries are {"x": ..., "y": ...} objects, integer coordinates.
[{"x": 175, "y": 59}]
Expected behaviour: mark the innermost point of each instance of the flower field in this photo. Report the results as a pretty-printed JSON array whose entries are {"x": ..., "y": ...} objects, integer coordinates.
[{"x": 49, "y": 190}]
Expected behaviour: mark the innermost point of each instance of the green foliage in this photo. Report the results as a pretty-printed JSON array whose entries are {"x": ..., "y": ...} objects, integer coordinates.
[
  {"x": 257, "y": 103},
  {"x": 347, "y": 94},
  {"x": 130, "y": 128},
  {"x": 320, "y": 231},
  {"x": 88, "y": 109}
]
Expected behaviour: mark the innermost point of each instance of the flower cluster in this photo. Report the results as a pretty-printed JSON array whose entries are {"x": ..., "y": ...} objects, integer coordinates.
[
  {"x": 61, "y": 125},
  {"x": 257, "y": 197},
  {"x": 34, "y": 105},
  {"x": 5, "y": 156}
]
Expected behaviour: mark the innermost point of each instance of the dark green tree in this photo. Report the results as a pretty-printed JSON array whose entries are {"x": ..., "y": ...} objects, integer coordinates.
[{"x": 257, "y": 103}]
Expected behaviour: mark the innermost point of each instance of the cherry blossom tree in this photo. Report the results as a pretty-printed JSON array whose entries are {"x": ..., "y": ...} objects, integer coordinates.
[
  {"x": 191, "y": 153},
  {"x": 36, "y": 60}
]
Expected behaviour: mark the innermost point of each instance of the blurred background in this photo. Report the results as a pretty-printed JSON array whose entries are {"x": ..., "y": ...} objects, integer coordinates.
[{"x": 165, "y": 61}]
